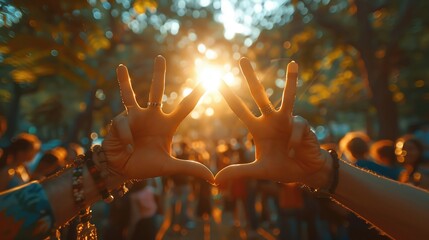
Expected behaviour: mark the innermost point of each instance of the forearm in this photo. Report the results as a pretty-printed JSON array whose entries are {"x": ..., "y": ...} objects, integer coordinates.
[
  {"x": 60, "y": 194},
  {"x": 400, "y": 210},
  {"x": 33, "y": 210}
]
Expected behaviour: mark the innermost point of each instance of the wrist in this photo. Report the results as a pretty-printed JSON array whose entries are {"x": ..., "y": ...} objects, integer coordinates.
[
  {"x": 321, "y": 179},
  {"x": 113, "y": 180},
  {"x": 107, "y": 182},
  {"x": 326, "y": 191}
]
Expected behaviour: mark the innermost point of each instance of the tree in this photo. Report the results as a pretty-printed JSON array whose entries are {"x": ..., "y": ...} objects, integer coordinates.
[{"x": 376, "y": 30}]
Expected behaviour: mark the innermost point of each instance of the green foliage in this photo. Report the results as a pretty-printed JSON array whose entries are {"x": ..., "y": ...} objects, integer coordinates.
[{"x": 75, "y": 46}]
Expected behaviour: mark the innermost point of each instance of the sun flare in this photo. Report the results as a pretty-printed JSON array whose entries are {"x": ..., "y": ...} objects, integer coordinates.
[{"x": 210, "y": 76}]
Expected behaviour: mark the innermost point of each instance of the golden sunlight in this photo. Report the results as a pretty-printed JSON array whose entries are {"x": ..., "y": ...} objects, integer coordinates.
[{"x": 209, "y": 75}]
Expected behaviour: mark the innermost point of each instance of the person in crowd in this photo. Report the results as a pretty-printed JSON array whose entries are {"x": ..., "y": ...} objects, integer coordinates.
[
  {"x": 252, "y": 191},
  {"x": 238, "y": 188},
  {"x": 385, "y": 163},
  {"x": 51, "y": 162},
  {"x": 354, "y": 147},
  {"x": 291, "y": 212},
  {"x": 143, "y": 208},
  {"x": 21, "y": 150},
  {"x": 118, "y": 220},
  {"x": 182, "y": 189},
  {"x": 203, "y": 189},
  {"x": 288, "y": 151},
  {"x": 409, "y": 151},
  {"x": 421, "y": 132},
  {"x": 268, "y": 192}
]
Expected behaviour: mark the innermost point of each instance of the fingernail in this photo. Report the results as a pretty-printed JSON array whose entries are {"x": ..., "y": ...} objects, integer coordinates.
[
  {"x": 159, "y": 58},
  {"x": 292, "y": 67}
]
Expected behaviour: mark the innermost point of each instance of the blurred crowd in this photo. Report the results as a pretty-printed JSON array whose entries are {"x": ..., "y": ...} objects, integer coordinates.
[{"x": 286, "y": 211}]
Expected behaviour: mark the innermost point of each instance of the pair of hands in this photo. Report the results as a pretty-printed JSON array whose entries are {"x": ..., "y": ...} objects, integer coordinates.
[{"x": 139, "y": 142}]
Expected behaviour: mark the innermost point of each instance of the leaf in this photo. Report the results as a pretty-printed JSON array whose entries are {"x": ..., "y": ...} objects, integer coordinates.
[
  {"x": 23, "y": 76},
  {"x": 141, "y": 6},
  {"x": 5, "y": 96}
]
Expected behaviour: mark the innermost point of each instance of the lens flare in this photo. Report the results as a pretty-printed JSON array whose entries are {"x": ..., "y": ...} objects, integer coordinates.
[{"x": 210, "y": 76}]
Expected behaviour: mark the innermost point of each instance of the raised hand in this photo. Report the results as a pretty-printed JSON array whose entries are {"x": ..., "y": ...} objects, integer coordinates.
[
  {"x": 286, "y": 149},
  {"x": 139, "y": 142}
]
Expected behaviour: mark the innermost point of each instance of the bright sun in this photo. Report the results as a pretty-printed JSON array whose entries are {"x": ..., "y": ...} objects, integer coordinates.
[{"x": 210, "y": 76}]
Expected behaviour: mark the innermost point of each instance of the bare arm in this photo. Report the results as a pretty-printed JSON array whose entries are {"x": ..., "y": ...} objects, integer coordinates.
[
  {"x": 400, "y": 210},
  {"x": 288, "y": 151},
  {"x": 59, "y": 192}
]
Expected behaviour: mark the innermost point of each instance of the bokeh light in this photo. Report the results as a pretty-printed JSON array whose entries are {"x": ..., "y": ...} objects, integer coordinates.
[{"x": 210, "y": 76}]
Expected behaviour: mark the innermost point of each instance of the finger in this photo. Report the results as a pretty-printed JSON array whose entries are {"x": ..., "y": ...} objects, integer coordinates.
[
  {"x": 256, "y": 88},
  {"x": 236, "y": 104},
  {"x": 188, "y": 103},
  {"x": 127, "y": 92},
  {"x": 121, "y": 126},
  {"x": 188, "y": 167},
  {"x": 289, "y": 92},
  {"x": 234, "y": 171},
  {"x": 158, "y": 80}
]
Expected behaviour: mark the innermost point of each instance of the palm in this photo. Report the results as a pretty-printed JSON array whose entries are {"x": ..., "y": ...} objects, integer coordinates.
[
  {"x": 286, "y": 149},
  {"x": 139, "y": 142}
]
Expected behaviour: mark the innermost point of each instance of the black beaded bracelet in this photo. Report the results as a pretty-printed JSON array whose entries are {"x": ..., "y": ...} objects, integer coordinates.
[
  {"x": 77, "y": 182},
  {"x": 335, "y": 169},
  {"x": 99, "y": 180},
  {"x": 327, "y": 193}
]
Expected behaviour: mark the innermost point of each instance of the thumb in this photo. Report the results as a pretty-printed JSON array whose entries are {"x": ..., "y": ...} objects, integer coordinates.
[
  {"x": 233, "y": 171},
  {"x": 188, "y": 167},
  {"x": 122, "y": 127},
  {"x": 299, "y": 126}
]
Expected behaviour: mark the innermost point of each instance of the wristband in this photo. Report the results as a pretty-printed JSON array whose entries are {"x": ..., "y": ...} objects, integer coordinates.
[
  {"x": 98, "y": 178},
  {"x": 328, "y": 192}
]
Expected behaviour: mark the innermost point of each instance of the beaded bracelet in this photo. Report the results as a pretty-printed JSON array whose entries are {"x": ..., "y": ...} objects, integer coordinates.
[
  {"x": 335, "y": 168},
  {"x": 77, "y": 181},
  {"x": 84, "y": 230},
  {"x": 98, "y": 178},
  {"x": 327, "y": 193}
]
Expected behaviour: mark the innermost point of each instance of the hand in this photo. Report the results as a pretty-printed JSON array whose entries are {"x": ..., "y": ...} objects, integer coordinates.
[
  {"x": 286, "y": 149},
  {"x": 139, "y": 142}
]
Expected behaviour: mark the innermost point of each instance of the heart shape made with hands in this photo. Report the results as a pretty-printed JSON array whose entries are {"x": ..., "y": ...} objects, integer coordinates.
[{"x": 286, "y": 149}]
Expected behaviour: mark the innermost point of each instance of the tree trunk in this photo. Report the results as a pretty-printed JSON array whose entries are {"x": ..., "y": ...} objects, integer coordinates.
[
  {"x": 13, "y": 114},
  {"x": 376, "y": 72},
  {"x": 386, "y": 110}
]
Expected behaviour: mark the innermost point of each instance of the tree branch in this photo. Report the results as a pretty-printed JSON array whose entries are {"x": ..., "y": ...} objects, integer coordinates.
[
  {"x": 331, "y": 25},
  {"x": 405, "y": 17},
  {"x": 378, "y": 6}
]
